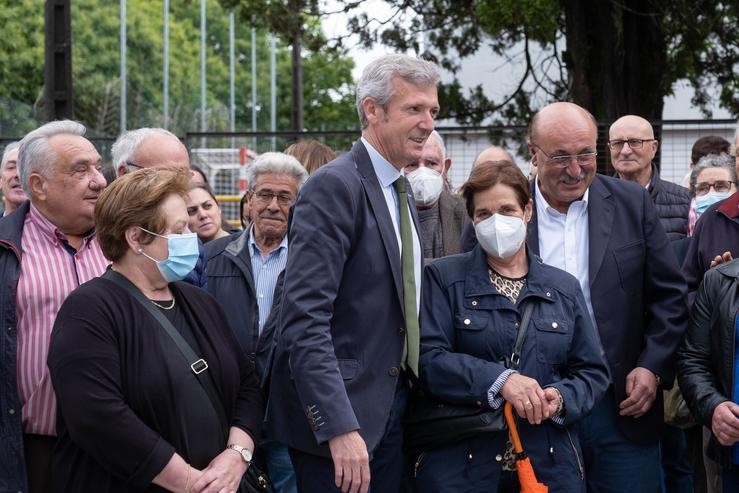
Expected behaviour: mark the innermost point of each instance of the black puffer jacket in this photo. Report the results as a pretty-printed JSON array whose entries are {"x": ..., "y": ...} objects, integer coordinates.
[
  {"x": 673, "y": 203},
  {"x": 706, "y": 359}
]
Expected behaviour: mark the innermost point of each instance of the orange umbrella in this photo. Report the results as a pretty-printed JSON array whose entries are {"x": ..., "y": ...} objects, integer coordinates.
[{"x": 526, "y": 476}]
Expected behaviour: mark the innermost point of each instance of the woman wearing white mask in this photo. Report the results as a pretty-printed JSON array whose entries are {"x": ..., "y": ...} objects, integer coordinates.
[
  {"x": 471, "y": 314},
  {"x": 131, "y": 353},
  {"x": 712, "y": 180}
]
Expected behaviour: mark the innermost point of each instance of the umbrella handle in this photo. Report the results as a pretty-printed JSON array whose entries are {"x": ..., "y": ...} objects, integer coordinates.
[{"x": 512, "y": 428}]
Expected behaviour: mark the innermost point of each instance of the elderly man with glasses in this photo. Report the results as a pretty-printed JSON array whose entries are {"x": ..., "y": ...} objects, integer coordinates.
[
  {"x": 243, "y": 272},
  {"x": 606, "y": 233},
  {"x": 633, "y": 147}
]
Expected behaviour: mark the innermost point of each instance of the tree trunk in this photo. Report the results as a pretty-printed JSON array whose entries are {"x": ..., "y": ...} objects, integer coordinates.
[{"x": 616, "y": 57}]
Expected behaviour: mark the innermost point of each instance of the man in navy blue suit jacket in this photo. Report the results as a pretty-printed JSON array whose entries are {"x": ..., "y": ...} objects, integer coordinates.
[
  {"x": 339, "y": 385},
  {"x": 607, "y": 233}
]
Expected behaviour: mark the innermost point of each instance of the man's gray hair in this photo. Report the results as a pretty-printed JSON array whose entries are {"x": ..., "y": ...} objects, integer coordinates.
[
  {"x": 34, "y": 153},
  {"x": 712, "y": 161},
  {"x": 440, "y": 141},
  {"x": 9, "y": 147},
  {"x": 376, "y": 81},
  {"x": 277, "y": 163},
  {"x": 125, "y": 147}
]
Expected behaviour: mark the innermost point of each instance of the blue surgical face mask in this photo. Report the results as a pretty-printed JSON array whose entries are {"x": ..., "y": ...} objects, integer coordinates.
[
  {"x": 183, "y": 255},
  {"x": 703, "y": 202}
]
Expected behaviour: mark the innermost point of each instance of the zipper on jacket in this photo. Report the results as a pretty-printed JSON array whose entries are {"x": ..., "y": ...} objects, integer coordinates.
[
  {"x": 733, "y": 357},
  {"x": 418, "y": 464},
  {"x": 577, "y": 456}
]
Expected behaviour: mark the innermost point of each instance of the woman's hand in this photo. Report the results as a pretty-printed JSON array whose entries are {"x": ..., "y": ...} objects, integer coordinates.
[
  {"x": 527, "y": 397},
  {"x": 725, "y": 423},
  {"x": 223, "y": 474}
]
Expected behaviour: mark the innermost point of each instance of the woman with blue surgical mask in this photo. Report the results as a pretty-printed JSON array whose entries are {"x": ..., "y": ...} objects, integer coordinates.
[
  {"x": 712, "y": 180},
  {"x": 131, "y": 352},
  {"x": 471, "y": 313}
]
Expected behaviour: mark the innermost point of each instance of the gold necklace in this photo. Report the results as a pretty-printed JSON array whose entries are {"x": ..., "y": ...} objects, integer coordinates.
[{"x": 164, "y": 307}]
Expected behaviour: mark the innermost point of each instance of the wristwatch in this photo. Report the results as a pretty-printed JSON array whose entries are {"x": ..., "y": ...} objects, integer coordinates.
[{"x": 244, "y": 452}]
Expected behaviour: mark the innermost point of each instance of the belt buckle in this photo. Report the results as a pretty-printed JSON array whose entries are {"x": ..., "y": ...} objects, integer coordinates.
[{"x": 199, "y": 366}]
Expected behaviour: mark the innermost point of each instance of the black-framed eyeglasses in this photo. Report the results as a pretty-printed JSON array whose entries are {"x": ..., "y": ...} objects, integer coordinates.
[
  {"x": 564, "y": 160},
  {"x": 617, "y": 145},
  {"x": 129, "y": 164},
  {"x": 719, "y": 186},
  {"x": 267, "y": 196}
]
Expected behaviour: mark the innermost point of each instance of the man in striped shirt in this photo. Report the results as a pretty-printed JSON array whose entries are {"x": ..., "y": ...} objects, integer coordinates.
[{"x": 47, "y": 249}]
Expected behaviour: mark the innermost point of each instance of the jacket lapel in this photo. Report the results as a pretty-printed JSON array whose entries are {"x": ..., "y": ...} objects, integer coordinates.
[
  {"x": 600, "y": 220},
  {"x": 239, "y": 252},
  {"x": 379, "y": 208},
  {"x": 532, "y": 235}
]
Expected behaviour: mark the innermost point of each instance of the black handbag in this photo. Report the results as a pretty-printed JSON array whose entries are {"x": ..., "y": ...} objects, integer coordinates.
[
  {"x": 253, "y": 480},
  {"x": 431, "y": 424}
]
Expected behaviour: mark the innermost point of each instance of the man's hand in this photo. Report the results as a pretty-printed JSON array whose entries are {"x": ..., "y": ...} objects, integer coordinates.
[
  {"x": 641, "y": 390},
  {"x": 527, "y": 397},
  {"x": 351, "y": 462},
  {"x": 720, "y": 259},
  {"x": 725, "y": 424}
]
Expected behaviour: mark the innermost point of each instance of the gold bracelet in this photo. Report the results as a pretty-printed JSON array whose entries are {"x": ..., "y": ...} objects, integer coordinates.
[{"x": 187, "y": 481}]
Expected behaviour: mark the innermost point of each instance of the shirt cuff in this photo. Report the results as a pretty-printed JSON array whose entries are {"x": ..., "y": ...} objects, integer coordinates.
[
  {"x": 495, "y": 400},
  {"x": 560, "y": 420}
]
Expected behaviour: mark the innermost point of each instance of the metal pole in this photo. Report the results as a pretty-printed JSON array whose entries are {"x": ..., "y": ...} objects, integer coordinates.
[
  {"x": 254, "y": 86},
  {"x": 232, "y": 70},
  {"x": 272, "y": 89},
  {"x": 202, "y": 66},
  {"x": 165, "y": 88},
  {"x": 123, "y": 66}
]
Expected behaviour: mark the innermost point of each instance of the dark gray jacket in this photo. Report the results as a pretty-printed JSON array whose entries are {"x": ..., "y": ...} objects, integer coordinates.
[{"x": 672, "y": 203}]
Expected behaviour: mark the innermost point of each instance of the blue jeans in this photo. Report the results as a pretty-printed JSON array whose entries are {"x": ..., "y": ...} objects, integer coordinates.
[
  {"x": 279, "y": 467},
  {"x": 613, "y": 464}
]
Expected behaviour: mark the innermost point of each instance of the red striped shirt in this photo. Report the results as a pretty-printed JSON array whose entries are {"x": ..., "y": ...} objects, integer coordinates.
[{"x": 50, "y": 270}]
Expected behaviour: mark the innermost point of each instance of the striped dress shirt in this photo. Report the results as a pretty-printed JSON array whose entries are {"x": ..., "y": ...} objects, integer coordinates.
[
  {"x": 266, "y": 270},
  {"x": 50, "y": 270}
]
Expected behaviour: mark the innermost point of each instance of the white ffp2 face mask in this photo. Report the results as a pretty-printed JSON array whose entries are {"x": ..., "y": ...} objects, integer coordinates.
[
  {"x": 501, "y": 236},
  {"x": 427, "y": 185}
]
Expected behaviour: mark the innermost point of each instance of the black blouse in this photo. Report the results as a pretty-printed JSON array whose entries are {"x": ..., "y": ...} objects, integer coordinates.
[{"x": 128, "y": 399}]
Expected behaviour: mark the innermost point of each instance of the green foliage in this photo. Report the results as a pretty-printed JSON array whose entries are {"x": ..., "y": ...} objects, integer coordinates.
[
  {"x": 96, "y": 70},
  {"x": 696, "y": 40}
]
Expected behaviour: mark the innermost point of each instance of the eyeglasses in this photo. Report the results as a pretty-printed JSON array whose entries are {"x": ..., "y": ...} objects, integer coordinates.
[
  {"x": 266, "y": 197},
  {"x": 562, "y": 161},
  {"x": 133, "y": 165},
  {"x": 617, "y": 145},
  {"x": 719, "y": 186}
]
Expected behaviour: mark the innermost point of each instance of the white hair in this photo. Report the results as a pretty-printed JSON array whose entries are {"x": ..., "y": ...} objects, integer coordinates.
[
  {"x": 277, "y": 163},
  {"x": 124, "y": 149},
  {"x": 34, "y": 153},
  {"x": 440, "y": 141},
  {"x": 10, "y": 147},
  {"x": 376, "y": 81}
]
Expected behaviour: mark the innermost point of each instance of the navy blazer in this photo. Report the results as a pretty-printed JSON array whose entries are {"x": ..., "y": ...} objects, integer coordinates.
[
  {"x": 341, "y": 326},
  {"x": 637, "y": 291}
]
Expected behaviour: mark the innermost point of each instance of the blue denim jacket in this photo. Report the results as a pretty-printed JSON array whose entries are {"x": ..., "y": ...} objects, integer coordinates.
[{"x": 468, "y": 327}]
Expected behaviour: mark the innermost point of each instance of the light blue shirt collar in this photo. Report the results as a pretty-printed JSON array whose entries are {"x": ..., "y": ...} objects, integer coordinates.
[
  {"x": 254, "y": 248},
  {"x": 386, "y": 172}
]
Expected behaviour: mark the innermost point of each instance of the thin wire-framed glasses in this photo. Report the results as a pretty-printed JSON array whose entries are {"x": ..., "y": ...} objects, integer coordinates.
[{"x": 564, "y": 160}]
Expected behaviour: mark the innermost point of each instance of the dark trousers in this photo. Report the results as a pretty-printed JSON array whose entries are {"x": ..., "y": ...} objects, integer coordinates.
[
  {"x": 38, "y": 450},
  {"x": 613, "y": 464},
  {"x": 315, "y": 474},
  {"x": 676, "y": 466}
]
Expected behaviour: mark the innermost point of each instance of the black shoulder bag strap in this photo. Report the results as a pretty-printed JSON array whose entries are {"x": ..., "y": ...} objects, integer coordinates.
[
  {"x": 197, "y": 365},
  {"x": 515, "y": 358}
]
